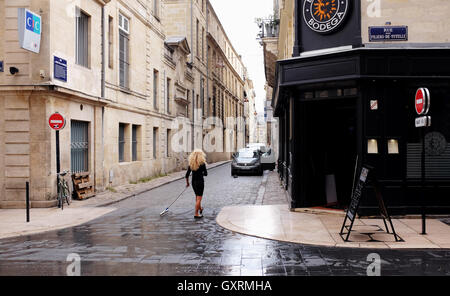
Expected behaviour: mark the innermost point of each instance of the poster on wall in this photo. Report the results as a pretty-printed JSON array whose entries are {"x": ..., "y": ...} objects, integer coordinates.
[{"x": 30, "y": 30}]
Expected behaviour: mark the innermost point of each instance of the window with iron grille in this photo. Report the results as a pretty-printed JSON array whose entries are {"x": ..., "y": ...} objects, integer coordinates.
[
  {"x": 79, "y": 146},
  {"x": 124, "y": 65},
  {"x": 82, "y": 38},
  {"x": 121, "y": 142}
]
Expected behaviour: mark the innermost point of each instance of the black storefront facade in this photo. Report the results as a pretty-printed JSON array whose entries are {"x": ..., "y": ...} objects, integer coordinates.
[{"x": 354, "y": 105}]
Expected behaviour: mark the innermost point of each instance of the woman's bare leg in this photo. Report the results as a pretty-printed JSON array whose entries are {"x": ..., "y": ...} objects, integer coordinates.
[{"x": 198, "y": 205}]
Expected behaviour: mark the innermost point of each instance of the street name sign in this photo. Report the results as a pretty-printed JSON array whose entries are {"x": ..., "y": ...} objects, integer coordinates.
[
  {"x": 388, "y": 33},
  {"x": 424, "y": 121}
]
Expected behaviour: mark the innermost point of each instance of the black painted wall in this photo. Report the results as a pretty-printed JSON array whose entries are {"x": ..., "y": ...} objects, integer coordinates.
[{"x": 349, "y": 33}]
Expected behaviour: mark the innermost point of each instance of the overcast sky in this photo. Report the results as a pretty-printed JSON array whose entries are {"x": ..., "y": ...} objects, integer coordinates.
[{"x": 238, "y": 19}]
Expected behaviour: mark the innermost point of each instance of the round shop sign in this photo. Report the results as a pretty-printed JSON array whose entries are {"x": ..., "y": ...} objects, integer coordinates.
[
  {"x": 422, "y": 101},
  {"x": 324, "y": 16},
  {"x": 57, "y": 121}
]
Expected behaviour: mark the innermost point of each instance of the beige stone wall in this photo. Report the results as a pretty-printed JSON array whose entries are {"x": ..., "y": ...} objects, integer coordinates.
[{"x": 427, "y": 21}]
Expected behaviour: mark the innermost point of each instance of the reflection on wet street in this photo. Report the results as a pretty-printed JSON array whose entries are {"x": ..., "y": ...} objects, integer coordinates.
[{"x": 135, "y": 240}]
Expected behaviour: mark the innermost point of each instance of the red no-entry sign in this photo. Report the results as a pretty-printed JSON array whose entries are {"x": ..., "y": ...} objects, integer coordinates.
[
  {"x": 57, "y": 121},
  {"x": 422, "y": 101}
]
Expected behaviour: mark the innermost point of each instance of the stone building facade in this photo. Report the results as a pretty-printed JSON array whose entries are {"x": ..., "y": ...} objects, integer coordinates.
[{"x": 132, "y": 85}]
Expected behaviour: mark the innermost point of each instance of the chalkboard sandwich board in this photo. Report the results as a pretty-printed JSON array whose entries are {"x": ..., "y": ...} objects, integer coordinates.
[{"x": 357, "y": 195}]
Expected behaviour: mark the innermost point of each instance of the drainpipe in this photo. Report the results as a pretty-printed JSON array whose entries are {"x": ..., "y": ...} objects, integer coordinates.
[
  {"x": 103, "y": 54},
  {"x": 192, "y": 63}
]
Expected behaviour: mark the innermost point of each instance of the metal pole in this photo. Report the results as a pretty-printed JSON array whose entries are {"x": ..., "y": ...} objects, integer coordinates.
[
  {"x": 28, "y": 201},
  {"x": 424, "y": 232},
  {"x": 58, "y": 164}
]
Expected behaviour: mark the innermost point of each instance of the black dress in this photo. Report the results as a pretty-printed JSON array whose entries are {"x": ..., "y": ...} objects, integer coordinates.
[{"x": 198, "y": 183}]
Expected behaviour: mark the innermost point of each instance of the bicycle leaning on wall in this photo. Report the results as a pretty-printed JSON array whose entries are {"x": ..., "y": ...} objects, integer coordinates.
[{"x": 63, "y": 190}]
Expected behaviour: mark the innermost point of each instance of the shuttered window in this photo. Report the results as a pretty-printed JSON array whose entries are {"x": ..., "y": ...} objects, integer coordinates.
[{"x": 79, "y": 146}]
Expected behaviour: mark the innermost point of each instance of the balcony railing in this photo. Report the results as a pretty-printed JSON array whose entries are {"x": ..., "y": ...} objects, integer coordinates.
[{"x": 269, "y": 27}]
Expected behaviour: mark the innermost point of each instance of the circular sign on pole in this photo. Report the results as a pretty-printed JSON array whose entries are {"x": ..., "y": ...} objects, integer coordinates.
[
  {"x": 56, "y": 121},
  {"x": 422, "y": 101}
]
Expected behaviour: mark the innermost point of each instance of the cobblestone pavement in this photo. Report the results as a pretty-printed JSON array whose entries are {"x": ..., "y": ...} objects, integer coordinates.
[{"x": 135, "y": 240}]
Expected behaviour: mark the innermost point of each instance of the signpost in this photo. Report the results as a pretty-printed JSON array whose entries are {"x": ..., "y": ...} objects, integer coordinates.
[
  {"x": 422, "y": 103},
  {"x": 357, "y": 194},
  {"x": 57, "y": 122}
]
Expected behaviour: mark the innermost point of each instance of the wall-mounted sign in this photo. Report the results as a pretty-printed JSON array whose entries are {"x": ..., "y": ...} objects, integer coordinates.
[
  {"x": 324, "y": 16},
  {"x": 1, "y": 66},
  {"x": 388, "y": 33},
  {"x": 30, "y": 29},
  {"x": 374, "y": 105},
  {"x": 60, "y": 69},
  {"x": 424, "y": 121}
]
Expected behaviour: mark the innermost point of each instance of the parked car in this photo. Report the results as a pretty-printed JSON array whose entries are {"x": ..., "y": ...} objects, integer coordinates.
[{"x": 246, "y": 161}]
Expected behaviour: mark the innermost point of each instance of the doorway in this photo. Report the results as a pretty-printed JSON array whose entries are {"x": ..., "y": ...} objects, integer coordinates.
[{"x": 332, "y": 147}]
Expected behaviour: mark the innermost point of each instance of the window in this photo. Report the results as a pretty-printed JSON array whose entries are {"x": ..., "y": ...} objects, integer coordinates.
[
  {"x": 155, "y": 142},
  {"x": 156, "y": 8},
  {"x": 82, "y": 38},
  {"x": 202, "y": 93},
  {"x": 111, "y": 42},
  {"x": 203, "y": 44},
  {"x": 135, "y": 143},
  {"x": 155, "y": 89},
  {"x": 121, "y": 142},
  {"x": 124, "y": 65},
  {"x": 168, "y": 96},
  {"x": 168, "y": 142},
  {"x": 197, "y": 32},
  {"x": 79, "y": 134}
]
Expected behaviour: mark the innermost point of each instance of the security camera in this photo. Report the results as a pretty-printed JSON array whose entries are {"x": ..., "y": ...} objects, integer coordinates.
[{"x": 13, "y": 70}]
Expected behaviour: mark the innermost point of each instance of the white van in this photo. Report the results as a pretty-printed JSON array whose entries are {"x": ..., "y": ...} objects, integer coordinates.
[{"x": 268, "y": 160}]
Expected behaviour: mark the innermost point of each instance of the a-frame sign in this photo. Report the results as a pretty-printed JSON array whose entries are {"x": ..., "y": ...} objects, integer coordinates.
[{"x": 357, "y": 194}]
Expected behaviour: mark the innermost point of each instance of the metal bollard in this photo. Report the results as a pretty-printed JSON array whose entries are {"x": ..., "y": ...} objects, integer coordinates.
[{"x": 28, "y": 201}]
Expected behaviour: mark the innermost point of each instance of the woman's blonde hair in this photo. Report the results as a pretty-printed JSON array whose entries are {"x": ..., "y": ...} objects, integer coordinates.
[{"x": 196, "y": 159}]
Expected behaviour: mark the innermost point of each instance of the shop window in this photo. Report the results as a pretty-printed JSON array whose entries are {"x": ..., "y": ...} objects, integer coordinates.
[
  {"x": 393, "y": 146},
  {"x": 372, "y": 146}
]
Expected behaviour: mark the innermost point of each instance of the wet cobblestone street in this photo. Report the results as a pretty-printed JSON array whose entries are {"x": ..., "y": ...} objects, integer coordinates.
[{"x": 135, "y": 240}]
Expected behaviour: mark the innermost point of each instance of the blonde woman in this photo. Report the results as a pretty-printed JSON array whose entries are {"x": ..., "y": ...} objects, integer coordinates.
[{"x": 197, "y": 165}]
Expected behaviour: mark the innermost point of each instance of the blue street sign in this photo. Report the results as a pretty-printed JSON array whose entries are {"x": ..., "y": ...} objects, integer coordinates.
[
  {"x": 60, "y": 69},
  {"x": 1, "y": 66},
  {"x": 388, "y": 33}
]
